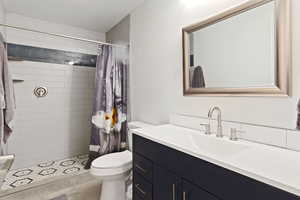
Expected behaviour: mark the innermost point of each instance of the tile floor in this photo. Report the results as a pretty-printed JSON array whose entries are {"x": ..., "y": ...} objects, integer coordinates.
[
  {"x": 82, "y": 186},
  {"x": 42, "y": 171}
]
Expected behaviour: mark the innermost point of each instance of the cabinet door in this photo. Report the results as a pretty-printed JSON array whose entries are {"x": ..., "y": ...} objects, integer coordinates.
[
  {"x": 166, "y": 185},
  {"x": 192, "y": 192}
]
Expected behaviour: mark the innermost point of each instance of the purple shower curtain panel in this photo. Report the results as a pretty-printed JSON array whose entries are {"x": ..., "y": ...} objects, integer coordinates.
[{"x": 110, "y": 102}]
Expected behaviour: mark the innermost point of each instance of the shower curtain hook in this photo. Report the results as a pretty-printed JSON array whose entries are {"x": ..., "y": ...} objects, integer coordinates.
[{"x": 100, "y": 49}]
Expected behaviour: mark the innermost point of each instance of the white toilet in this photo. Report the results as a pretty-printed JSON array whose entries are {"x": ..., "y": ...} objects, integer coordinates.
[{"x": 114, "y": 169}]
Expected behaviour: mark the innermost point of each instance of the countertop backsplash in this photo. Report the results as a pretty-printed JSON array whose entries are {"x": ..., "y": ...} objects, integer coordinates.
[
  {"x": 298, "y": 116},
  {"x": 280, "y": 137}
]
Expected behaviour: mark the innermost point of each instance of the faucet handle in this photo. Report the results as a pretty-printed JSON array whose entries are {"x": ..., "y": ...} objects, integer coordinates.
[
  {"x": 207, "y": 128},
  {"x": 233, "y": 133}
]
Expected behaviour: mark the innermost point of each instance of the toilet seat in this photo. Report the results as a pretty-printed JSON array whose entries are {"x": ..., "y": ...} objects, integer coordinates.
[{"x": 112, "y": 164}]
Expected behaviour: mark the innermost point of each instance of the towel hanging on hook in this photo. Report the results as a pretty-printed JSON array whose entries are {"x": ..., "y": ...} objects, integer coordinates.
[{"x": 7, "y": 104}]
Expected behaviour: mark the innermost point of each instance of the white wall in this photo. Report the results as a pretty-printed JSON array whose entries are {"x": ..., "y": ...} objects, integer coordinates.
[
  {"x": 2, "y": 18},
  {"x": 56, "y": 126},
  {"x": 156, "y": 67},
  {"x": 120, "y": 33}
]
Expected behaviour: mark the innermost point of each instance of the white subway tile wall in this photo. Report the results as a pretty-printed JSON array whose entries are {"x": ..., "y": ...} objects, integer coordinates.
[
  {"x": 266, "y": 135},
  {"x": 56, "y": 126}
]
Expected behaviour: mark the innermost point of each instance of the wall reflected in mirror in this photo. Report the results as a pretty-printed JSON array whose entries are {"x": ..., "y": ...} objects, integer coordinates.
[
  {"x": 238, "y": 52},
  {"x": 242, "y": 51}
]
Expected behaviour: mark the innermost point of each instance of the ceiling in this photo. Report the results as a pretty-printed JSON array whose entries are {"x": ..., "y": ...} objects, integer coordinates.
[{"x": 95, "y": 15}]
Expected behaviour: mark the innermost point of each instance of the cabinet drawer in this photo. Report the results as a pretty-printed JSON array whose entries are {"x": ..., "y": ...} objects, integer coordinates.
[
  {"x": 192, "y": 192},
  {"x": 143, "y": 166},
  {"x": 142, "y": 189}
]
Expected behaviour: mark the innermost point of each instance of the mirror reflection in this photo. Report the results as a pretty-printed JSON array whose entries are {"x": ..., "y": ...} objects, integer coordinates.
[{"x": 238, "y": 52}]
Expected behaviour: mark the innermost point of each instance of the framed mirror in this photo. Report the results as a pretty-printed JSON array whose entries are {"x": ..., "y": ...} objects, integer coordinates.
[{"x": 244, "y": 51}]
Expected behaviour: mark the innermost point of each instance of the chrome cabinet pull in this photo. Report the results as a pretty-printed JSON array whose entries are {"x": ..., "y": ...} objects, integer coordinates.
[
  {"x": 174, "y": 191},
  {"x": 137, "y": 186},
  {"x": 141, "y": 168},
  {"x": 184, "y": 196}
]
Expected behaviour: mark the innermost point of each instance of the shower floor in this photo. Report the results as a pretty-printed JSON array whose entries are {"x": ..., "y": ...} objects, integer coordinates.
[{"x": 42, "y": 171}]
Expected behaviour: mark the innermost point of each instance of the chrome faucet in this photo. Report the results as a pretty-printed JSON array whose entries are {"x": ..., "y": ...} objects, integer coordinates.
[{"x": 219, "y": 119}]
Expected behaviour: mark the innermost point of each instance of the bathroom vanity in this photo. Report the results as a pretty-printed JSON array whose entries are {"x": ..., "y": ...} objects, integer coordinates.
[{"x": 175, "y": 163}]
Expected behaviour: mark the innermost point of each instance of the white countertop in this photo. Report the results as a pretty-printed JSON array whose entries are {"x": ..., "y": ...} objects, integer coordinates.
[{"x": 271, "y": 165}]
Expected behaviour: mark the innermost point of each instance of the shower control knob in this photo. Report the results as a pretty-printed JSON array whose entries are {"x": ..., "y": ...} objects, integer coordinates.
[{"x": 40, "y": 91}]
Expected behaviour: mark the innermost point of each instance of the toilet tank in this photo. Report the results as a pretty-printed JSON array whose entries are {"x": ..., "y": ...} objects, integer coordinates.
[{"x": 135, "y": 125}]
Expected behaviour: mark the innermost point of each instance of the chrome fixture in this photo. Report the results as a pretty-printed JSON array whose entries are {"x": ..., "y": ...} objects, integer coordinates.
[
  {"x": 207, "y": 128},
  {"x": 219, "y": 119},
  {"x": 40, "y": 91},
  {"x": 60, "y": 35},
  {"x": 233, "y": 134}
]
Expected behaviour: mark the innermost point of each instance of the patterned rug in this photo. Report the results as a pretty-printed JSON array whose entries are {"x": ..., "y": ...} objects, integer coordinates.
[{"x": 43, "y": 171}]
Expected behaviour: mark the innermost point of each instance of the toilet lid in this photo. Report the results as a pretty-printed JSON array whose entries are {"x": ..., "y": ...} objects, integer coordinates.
[{"x": 113, "y": 160}]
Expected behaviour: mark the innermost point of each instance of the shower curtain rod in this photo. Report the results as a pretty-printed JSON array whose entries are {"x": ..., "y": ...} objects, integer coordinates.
[{"x": 62, "y": 36}]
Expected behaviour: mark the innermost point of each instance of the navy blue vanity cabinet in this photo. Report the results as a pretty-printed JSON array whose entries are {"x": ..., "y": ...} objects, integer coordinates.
[
  {"x": 166, "y": 185},
  {"x": 163, "y": 173}
]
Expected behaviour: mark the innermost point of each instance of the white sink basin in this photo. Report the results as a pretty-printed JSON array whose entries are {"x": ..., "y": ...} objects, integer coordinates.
[
  {"x": 199, "y": 142},
  {"x": 217, "y": 146}
]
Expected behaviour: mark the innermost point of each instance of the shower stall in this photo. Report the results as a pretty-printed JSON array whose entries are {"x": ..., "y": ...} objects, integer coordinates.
[{"x": 53, "y": 76}]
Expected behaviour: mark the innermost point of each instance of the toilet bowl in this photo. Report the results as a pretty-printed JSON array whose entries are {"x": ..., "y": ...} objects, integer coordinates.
[{"x": 114, "y": 169}]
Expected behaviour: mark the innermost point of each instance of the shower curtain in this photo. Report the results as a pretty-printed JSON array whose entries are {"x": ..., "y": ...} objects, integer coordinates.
[{"x": 109, "y": 117}]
